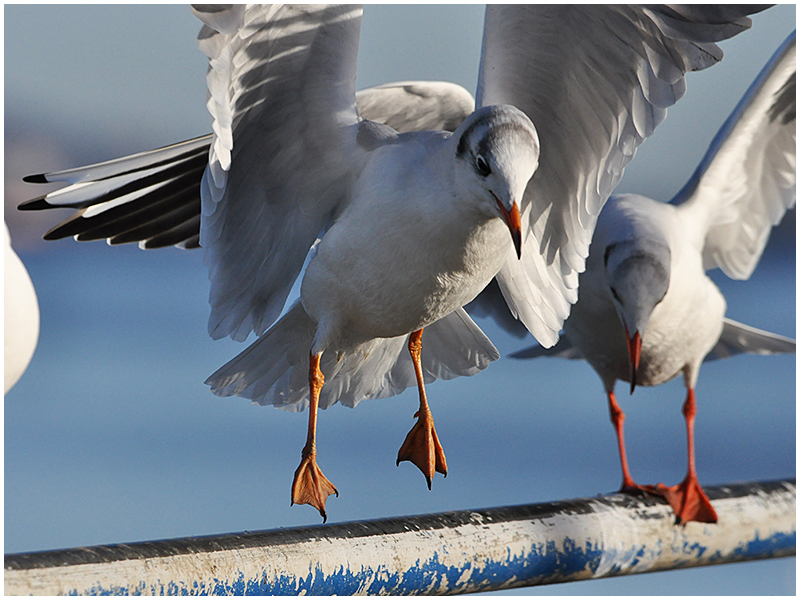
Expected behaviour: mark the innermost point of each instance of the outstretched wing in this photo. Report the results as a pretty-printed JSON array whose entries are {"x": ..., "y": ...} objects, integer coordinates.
[
  {"x": 281, "y": 92},
  {"x": 596, "y": 81},
  {"x": 153, "y": 197},
  {"x": 747, "y": 179}
]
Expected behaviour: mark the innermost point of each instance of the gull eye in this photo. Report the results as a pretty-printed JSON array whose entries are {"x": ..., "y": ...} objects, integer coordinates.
[{"x": 482, "y": 166}]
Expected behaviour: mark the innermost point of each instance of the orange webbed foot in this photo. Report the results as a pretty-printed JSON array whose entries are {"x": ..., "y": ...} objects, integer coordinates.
[
  {"x": 688, "y": 501},
  {"x": 310, "y": 486},
  {"x": 422, "y": 447}
]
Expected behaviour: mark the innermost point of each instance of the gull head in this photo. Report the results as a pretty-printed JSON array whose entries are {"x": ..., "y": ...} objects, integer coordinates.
[
  {"x": 497, "y": 152},
  {"x": 637, "y": 272}
]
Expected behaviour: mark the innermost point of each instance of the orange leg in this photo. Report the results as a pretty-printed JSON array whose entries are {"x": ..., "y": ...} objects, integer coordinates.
[
  {"x": 688, "y": 499},
  {"x": 618, "y": 419},
  {"x": 310, "y": 486},
  {"x": 421, "y": 445}
]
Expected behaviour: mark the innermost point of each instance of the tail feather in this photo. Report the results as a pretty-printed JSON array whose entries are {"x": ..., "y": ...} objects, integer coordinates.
[
  {"x": 261, "y": 372},
  {"x": 455, "y": 347},
  {"x": 274, "y": 369}
]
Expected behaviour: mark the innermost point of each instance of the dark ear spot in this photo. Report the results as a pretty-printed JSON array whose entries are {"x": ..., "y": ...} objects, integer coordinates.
[
  {"x": 606, "y": 253},
  {"x": 462, "y": 145}
]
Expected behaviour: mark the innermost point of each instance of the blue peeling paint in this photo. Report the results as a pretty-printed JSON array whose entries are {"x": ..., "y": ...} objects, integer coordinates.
[
  {"x": 768, "y": 546},
  {"x": 541, "y": 564}
]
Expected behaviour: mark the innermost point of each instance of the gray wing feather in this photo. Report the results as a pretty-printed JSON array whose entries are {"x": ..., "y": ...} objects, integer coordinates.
[
  {"x": 416, "y": 105},
  {"x": 738, "y": 338},
  {"x": 282, "y": 97}
]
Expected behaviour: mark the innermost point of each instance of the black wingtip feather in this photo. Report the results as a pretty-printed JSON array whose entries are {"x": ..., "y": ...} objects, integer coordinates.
[
  {"x": 40, "y": 178},
  {"x": 39, "y": 203}
]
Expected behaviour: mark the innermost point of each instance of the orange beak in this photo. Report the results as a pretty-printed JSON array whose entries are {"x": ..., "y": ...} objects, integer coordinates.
[
  {"x": 634, "y": 354},
  {"x": 514, "y": 223}
]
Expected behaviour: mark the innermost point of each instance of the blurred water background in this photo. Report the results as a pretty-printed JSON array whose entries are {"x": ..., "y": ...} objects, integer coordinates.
[{"x": 111, "y": 435}]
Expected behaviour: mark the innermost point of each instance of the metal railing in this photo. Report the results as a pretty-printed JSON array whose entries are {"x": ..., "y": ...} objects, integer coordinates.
[{"x": 446, "y": 553}]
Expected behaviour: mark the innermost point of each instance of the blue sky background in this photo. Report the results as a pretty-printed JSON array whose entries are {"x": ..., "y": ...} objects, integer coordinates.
[{"x": 111, "y": 435}]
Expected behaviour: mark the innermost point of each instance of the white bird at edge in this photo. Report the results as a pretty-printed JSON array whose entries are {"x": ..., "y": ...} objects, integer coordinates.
[
  {"x": 646, "y": 311},
  {"x": 21, "y": 315},
  {"x": 403, "y": 229}
]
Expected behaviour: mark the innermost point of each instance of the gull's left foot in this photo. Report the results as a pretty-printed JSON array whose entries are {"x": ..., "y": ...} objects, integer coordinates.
[
  {"x": 310, "y": 486},
  {"x": 688, "y": 501},
  {"x": 422, "y": 447}
]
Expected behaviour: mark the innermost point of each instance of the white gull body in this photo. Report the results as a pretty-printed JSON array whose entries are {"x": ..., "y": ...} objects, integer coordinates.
[
  {"x": 647, "y": 311},
  {"x": 21, "y": 315},
  {"x": 650, "y": 254},
  {"x": 403, "y": 230}
]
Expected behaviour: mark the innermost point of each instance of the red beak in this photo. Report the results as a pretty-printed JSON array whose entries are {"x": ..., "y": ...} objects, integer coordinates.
[
  {"x": 514, "y": 223},
  {"x": 634, "y": 354}
]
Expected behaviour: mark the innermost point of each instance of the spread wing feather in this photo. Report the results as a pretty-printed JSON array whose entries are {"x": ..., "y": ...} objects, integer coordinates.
[
  {"x": 543, "y": 59},
  {"x": 281, "y": 92},
  {"x": 747, "y": 179}
]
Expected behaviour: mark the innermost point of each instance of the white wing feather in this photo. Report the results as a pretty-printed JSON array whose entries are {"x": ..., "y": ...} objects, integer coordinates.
[
  {"x": 281, "y": 91},
  {"x": 595, "y": 81},
  {"x": 747, "y": 179}
]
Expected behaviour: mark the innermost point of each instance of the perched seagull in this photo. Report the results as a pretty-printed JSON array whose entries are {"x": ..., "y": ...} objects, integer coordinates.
[
  {"x": 647, "y": 312},
  {"x": 398, "y": 231},
  {"x": 21, "y": 310}
]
